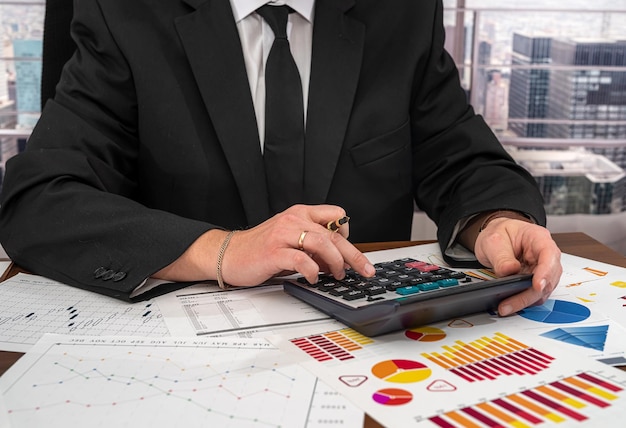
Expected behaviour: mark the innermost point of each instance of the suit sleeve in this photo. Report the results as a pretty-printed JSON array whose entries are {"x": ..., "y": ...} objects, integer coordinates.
[
  {"x": 69, "y": 209},
  {"x": 460, "y": 168}
]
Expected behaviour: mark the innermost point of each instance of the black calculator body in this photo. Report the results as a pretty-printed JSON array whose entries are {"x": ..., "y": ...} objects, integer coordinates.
[{"x": 405, "y": 293}]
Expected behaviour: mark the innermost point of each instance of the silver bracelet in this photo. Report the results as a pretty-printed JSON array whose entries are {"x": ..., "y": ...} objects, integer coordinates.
[{"x": 220, "y": 259}]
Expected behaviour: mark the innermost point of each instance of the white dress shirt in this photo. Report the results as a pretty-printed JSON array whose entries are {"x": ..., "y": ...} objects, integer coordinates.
[{"x": 256, "y": 41}]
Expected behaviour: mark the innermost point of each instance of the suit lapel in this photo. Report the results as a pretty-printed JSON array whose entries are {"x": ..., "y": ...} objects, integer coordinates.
[
  {"x": 335, "y": 65},
  {"x": 211, "y": 41}
]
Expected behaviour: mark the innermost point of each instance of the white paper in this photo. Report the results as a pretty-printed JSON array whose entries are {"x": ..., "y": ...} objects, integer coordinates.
[
  {"x": 147, "y": 382},
  {"x": 419, "y": 376},
  {"x": 206, "y": 310},
  {"x": 32, "y": 305}
]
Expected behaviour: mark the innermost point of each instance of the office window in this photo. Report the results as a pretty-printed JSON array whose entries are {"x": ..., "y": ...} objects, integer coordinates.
[
  {"x": 524, "y": 66},
  {"x": 21, "y": 24}
]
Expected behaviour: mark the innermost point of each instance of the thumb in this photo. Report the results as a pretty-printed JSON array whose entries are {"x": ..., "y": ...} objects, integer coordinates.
[
  {"x": 504, "y": 262},
  {"x": 498, "y": 255}
]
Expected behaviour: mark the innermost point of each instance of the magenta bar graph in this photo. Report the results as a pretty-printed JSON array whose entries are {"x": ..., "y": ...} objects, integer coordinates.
[
  {"x": 486, "y": 358},
  {"x": 335, "y": 345},
  {"x": 569, "y": 400}
]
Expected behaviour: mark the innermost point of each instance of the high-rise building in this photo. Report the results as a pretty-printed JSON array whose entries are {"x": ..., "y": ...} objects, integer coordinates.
[
  {"x": 528, "y": 91},
  {"x": 589, "y": 102},
  {"x": 575, "y": 181},
  {"x": 496, "y": 101},
  {"x": 28, "y": 81},
  {"x": 481, "y": 78}
]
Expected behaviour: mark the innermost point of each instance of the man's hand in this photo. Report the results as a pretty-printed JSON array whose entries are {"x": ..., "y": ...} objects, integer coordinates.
[
  {"x": 295, "y": 240},
  {"x": 510, "y": 246}
]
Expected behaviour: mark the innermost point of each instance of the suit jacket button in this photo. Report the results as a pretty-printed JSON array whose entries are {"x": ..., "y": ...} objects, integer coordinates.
[
  {"x": 108, "y": 275},
  {"x": 119, "y": 276},
  {"x": 99, "y": 272}
]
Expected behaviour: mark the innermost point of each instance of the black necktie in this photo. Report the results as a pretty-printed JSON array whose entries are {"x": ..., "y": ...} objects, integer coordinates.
[{"x": 283, "y": 151}]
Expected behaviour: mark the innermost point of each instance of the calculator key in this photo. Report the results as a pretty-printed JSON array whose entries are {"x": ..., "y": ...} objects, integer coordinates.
[
  {"x": 328, "y": 285},
  {"x": 428, "y": 286},
  {"x": 375, "y": 290},
  {"x": 416, "y": 264},
  {"x": 457, "y": 275},
  {"x": 355, "y": 294},
  {"x": 392, "y": 273},
  {"x": 361, "y": 285},
  {"x": 448, "y": 282},
  {"x": 417, "y": 280},
  {"x": 302, "y": 280},
  {"x": 381, "y": 281},
  {"x": 429, "y": 268},
  {"x": 408, "y": 290},
  {"x": 394, "y": 285},
  {"x": 339, "y": 291}
]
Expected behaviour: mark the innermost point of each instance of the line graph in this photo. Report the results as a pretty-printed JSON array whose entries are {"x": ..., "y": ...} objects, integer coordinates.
[{"x": 230, "y": 381}]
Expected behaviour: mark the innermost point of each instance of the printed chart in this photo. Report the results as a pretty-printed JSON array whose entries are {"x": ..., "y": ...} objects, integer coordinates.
[
  {"x": 567, "y": 400},
  {"x": 564, "y": 319},
  {"x": 597, "y": 285},
  {"x": 154, "y": 382},
  {"x": 205, "y": 310},
  {"x": 556, "y": 312},
  {"x": 487, "y": 358},
  {"x": 471, "y": 377},
  {"x": 425, "y": 334},
  {"x": 31, "y": 306},
  {"x": 593, "y": 337}
]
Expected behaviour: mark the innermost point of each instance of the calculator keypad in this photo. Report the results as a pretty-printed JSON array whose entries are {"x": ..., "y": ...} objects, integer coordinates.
[{"x": 393, "y": 280}]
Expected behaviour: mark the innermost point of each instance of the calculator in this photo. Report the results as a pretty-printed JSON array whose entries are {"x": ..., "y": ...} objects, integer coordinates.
[{"x": 403, "y": 294}]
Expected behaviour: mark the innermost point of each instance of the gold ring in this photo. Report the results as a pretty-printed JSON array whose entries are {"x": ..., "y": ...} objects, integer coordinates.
[{"x": 301, "y": 240}]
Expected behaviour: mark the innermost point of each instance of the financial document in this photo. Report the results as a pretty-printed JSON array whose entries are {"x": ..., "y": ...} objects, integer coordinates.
[
  {"x": 147, "y": 382},
  {"x": 206, "y": 310},
  {"x": 31, "y": 306},
  {"x": 452, "y": 376}
]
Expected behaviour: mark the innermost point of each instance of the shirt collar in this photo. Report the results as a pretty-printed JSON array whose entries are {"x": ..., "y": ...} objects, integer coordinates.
[{"x": 243, "y": 8}]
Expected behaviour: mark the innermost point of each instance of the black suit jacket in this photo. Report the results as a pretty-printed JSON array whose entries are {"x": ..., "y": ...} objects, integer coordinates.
[{"x": 151, "y": 139}]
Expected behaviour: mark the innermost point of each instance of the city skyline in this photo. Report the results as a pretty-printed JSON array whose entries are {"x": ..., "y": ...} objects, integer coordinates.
[{"x": 493, "y": 83}]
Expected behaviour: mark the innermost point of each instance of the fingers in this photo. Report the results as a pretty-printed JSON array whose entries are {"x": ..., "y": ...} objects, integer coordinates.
[
  {"x": 333, "y": 251},
  {"x": 298, "y": 239},
  {"x": 325, "y": 241},
  {"x": 511, "y": 246},
  {"x": 531, "y": 296}
]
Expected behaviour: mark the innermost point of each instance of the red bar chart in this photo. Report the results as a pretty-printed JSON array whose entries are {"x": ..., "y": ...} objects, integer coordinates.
[
  {"x": 488, "y": 358},
  {"x": 335, "y": 345},
  {"x": 569, "y": 400}
]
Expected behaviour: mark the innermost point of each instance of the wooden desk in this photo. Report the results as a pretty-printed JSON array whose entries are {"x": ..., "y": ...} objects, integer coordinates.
[{"x": 578, "y": 244}]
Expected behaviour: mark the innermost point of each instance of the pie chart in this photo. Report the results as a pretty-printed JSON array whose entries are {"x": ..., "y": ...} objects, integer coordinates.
[
  {"x": 556, "y": 312},
  {"x": 401, "y": 371},
  {"x": 392, "y": 397},
  {"x": 425, "y": 334}
]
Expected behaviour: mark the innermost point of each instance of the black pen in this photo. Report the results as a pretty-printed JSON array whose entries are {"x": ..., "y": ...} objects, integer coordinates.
[{"x": 336, "y": 224}]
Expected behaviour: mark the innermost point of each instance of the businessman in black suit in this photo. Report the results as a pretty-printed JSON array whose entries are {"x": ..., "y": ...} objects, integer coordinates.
[{"x": 152, "y": 150}]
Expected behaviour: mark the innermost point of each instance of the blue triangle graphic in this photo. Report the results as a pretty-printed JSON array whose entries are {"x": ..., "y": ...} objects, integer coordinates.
[{"x": 589, "y": 337}]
